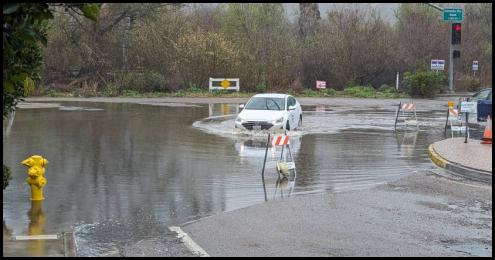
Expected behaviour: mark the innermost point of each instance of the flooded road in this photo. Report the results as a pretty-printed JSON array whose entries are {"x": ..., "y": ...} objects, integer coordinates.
[{"x": 120, "y": 173}]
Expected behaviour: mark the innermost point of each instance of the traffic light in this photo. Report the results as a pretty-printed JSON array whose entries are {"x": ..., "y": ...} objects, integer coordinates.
[
  {"x": 456, "y": 33},
  {"x": 457, "y": 54}
]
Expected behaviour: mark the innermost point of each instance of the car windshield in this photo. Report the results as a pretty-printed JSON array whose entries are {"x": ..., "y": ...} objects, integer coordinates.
[
  {"x": 483, "y": 95},
  {"x": 266, "y": 103}
]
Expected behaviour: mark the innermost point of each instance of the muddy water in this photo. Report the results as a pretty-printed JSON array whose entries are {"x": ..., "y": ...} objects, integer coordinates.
[{"x": 119, "y": 173}]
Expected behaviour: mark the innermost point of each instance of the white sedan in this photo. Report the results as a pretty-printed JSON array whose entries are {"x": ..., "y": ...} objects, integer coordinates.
[{"x": 270, "y": 112}]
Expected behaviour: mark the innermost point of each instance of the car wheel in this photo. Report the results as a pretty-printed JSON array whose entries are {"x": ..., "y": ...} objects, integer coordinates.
[
  {"x": 300, "y": 121},
  {"x": 287, "y": 126}
]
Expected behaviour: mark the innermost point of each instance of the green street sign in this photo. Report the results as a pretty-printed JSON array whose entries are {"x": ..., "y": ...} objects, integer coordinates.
[{"x": 452, "y": 14}]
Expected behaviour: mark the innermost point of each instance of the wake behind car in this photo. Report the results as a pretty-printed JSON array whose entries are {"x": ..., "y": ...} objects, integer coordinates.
[{"x": 270, "y": 111}]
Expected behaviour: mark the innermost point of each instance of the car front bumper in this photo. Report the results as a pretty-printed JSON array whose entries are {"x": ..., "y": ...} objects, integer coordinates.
[{"x": 259, "y": 125}]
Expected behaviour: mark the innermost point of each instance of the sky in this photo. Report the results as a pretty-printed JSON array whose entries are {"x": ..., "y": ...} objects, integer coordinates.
[{"x": 386, "y": 10}]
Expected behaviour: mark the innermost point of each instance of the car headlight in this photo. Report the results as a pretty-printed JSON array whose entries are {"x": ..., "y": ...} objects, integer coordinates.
[
  {"x": 278, "y": 121},
  {"x": 238, "y": 120}
]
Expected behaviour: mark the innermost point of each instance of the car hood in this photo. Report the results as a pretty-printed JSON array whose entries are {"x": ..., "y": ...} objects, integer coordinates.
[{"x": 261, "y": 115}]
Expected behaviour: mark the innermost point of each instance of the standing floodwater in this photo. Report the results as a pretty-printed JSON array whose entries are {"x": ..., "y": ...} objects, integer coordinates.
[{"x": 120, "y": 173}]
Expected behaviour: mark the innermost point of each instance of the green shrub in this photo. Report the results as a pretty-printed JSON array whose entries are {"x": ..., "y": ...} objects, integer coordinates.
[
  {"x": 386, "y": 88},
  {"x": 111, "y": 90},
  {"x": 6, "y": 176},
  {"x": 291, "y": 92},
  {"x": 129, "y": 93},
  {"x": 195, "y": 89},
  {"x": 328, "y": 92},
  {"x": 179, "y": 93},
  {"x": 309, "y": 93},
  {"x": 360, "y": 91},
  {"x": 424, "y": 83},
  {"x": 260, "y": 88}
]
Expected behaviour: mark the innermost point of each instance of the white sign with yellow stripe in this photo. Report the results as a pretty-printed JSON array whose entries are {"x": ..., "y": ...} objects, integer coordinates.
[{"x": 224, "y": 84}]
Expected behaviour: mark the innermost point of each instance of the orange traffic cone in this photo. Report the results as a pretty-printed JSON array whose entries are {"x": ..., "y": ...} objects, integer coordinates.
[{"x": 487, "y": 135}]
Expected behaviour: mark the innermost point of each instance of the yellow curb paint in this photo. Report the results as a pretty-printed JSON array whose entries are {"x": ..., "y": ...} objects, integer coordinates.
[{"x": 435, "y": 157}]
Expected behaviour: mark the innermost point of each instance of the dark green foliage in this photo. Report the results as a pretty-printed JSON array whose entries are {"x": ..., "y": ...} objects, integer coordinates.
[
  {"x": 424, "y": 83},
  {"x": 261, "y": 88},
  {"x": 24, "y": 29}
]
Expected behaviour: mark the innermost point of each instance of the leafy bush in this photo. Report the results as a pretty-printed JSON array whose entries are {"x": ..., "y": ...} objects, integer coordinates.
[
  {"x": 261, "y": 88},
  {"x": 6, "y": 176},
  {"x": 309, "y": 93},
  {"x": 111, "y": 90},
  {"x": 329, "y": 92},
  {"x": 424, "y": 83},
  {"x": 386, "y": 88},
  {"x": 129, "y": 93},
  {"x": 360, "y": 91},
  {"x": 195, "y": 89}
]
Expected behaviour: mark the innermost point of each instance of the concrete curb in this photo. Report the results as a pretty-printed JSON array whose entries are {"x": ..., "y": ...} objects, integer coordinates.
[{"x": 456, "y": 169}]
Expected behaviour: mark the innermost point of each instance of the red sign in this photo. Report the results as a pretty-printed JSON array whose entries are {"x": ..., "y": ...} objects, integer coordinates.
[{"x": 321, "y": 84}]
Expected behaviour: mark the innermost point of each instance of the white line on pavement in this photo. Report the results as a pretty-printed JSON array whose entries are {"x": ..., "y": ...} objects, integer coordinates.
[
  {"x": 190, "y": 244},
  {"x": 35, "y": 237}
]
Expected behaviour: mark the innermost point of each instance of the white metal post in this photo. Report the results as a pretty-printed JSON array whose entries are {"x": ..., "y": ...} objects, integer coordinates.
[{"x": 397, "y": 82}]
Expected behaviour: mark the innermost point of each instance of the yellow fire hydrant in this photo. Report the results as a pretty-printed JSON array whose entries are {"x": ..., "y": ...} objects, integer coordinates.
[{"x": 36, "y": 180}]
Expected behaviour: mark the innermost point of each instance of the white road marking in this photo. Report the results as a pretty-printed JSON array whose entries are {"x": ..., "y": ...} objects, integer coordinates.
[
  {"x": 35, "y": 237},
  {"x": 190, "y": 244}
]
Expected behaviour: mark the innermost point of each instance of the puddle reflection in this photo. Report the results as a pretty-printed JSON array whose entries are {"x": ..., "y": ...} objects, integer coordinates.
[{"x": 36, "y": 227}]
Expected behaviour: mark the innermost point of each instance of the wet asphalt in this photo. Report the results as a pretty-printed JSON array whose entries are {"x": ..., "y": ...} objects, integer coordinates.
[{"x": 422, "y": 214}]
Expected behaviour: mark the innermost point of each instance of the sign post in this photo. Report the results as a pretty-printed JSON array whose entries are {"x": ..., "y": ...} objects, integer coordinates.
[{"x": 397, "y": 82}]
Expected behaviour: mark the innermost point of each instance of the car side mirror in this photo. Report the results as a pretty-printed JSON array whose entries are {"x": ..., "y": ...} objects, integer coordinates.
[
  {"x": 292, "y": 107},
  {"x": 241, "y": 106}
]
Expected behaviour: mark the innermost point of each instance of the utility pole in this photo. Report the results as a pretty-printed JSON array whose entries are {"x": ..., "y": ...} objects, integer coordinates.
[
  {"x": 451, "y": 60},
  {"x": 451, "y": 51}
]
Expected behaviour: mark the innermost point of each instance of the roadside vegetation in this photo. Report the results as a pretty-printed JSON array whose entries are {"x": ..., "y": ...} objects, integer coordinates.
[
  {"x": 172, "y": 49},
  {"x": 352, "y": 91}
]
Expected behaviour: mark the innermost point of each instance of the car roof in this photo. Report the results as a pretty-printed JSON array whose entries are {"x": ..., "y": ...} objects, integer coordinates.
[{"x": 275, "y": 95}]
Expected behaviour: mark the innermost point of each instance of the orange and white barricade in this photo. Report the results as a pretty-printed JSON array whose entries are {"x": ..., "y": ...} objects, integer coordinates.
[
  {"x": 280, "y": 140},
  {"x": 408, "y": 112}
]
